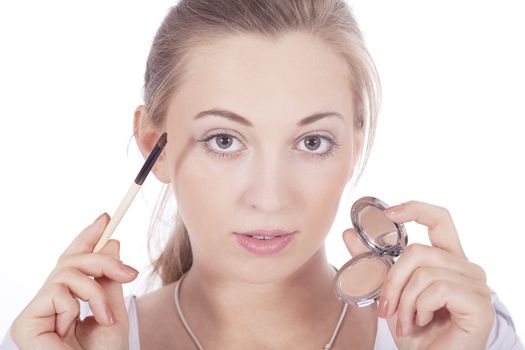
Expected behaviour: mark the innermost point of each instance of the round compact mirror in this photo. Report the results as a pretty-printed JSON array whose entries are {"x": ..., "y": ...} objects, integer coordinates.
[{"x": 360, "y": 280}]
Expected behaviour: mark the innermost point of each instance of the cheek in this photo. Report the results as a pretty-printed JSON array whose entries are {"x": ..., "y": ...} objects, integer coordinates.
[
  {"x": 204, "y": 196},
  {"x": 323, "y": 200}
]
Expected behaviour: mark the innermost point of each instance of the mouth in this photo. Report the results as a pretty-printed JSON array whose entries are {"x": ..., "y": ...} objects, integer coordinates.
[
  {"x": 265, "y": 233},
  {"x": 264, "y": 242}
]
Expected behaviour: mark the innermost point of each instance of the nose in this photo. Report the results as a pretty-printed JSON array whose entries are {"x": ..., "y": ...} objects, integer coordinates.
[{"x": 269, "y": 188}]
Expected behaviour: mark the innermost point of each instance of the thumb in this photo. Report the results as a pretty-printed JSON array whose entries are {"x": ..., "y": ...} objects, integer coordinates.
[
  {"x": 113, "y": 288},
  {"x": 354, "y": 245}
]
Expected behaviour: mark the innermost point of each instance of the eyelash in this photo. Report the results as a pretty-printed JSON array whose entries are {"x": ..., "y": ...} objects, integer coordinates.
[{"x": 204, "y": 144}]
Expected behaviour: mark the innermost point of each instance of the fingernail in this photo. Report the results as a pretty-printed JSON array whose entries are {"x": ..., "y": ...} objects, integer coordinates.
[
  {"x": 399, "y": 329},
  {"x": 127, "y": 268},
  {"x": 100, "y": 217},
  {"x": 383, "y": 307},
  {"x": 110, "y": 316},
  {"x": 393, "y": 211}
]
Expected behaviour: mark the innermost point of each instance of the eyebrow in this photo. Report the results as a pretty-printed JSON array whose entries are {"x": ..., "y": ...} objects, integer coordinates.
[{"x": 241, "y": 120}]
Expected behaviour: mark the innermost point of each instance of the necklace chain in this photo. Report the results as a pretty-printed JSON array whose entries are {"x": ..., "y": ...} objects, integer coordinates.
[{"x": 327, "y": 346}]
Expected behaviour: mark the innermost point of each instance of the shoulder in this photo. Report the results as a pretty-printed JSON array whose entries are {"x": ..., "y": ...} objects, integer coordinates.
[
  {"x": 155, "y": 299},
  {"x": 157, "y": 320}
]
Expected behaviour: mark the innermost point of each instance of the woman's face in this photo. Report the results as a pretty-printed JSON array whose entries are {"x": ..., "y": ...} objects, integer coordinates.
[{"x": 264, "y": 168}]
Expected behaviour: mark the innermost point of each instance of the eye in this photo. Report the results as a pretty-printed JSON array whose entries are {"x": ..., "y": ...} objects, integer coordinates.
[
  {"x": 318, "y": 145},
  {"x": 219, "y": 143}
]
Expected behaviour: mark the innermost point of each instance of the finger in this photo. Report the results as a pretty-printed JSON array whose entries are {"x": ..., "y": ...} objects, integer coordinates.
[
  {"x": 67, "y": 309},
  {"x": 441, "y": 229},
  {"x": 469, "y": 311},
  {"x": 353, "y": 243},
  {"x": 85, "y": 288},
  {"x": 96, "y": 265},
  {"x": 113, "y": 289},
  {"x": 414, "y": 257},
  {"x": 85, "y": 242},
  {"x": 420, "y": 280},
  {"x": 52, "y": 311}
]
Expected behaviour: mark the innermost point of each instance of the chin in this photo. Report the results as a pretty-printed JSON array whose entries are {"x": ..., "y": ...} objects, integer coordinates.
[{"x": 266, "y": 271}]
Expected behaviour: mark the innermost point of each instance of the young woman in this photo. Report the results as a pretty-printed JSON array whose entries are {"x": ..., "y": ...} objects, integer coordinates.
[{"x": 270, "y": 108}]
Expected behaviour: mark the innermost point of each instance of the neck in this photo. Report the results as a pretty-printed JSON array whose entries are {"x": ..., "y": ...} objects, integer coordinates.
[{"x": 297, "y": 307}]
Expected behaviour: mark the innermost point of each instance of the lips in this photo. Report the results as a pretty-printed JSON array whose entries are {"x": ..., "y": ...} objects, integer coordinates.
[{"x": 263, "y": 242}]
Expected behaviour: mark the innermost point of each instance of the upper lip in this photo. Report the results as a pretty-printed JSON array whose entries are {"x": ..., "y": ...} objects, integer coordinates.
[{"x": 267, "y": 233}]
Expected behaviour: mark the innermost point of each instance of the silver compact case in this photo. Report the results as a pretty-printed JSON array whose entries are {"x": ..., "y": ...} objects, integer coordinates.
[{"x": 360, "y": 280}]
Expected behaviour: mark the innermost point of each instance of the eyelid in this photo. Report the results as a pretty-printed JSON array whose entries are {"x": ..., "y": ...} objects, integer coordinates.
[
  {"x": 216, "y": 132},
  {"x": 317, "y": 133}
]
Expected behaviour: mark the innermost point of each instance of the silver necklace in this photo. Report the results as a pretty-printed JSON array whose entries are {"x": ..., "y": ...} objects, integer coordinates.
[{"x": 327, "y": 346}]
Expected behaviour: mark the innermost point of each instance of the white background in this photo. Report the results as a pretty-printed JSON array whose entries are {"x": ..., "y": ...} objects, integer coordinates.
[{"x": 451, "y": 129}]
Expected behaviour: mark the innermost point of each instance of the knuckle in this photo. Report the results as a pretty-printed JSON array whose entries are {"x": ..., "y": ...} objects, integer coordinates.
[
  {"x": 414, "y": 249},
  {"x": 61, "y": 258},
  {"x": 480, "y": 272},
  {"x": 117, "y": 243},
  {"x": 67, "y": 273},
  {"x": 112, "y": 260},
  {"x": 485, "y": 289},
  {"x": 411, "y": 203},
  {"x": 64, "y": 260},
  {"x": 402, "y": 309},
  {"x": 444, "y": 212},
  {"x": 405, "y": 308},
  {"x": 55, "y": 288},
  {"x": 421, "y": 275},
  {"x": 108, "y": 264},
  {"x": 441, "y": 287},
  {"x": 19, "y": 328},
  {"x": 97, "y": 290}
]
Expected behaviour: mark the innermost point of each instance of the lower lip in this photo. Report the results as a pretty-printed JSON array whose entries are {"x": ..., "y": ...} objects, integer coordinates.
[{"x": 264, "y": 247}]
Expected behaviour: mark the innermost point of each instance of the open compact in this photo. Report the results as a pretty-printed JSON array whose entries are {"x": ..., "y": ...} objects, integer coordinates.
[{"x": 360, "y": 280}]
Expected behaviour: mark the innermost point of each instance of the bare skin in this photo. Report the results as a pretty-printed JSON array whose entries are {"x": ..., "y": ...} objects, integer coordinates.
[{"x": 303, "y": 320}]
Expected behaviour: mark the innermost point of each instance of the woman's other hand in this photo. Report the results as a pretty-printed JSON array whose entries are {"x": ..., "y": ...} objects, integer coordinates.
[
  {"x": 51, "y": 319},
  {"x": 433, "y": 297}
]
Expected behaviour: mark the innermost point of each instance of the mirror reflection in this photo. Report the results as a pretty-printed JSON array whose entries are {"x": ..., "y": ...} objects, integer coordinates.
[{"x": 378, "y": 227}]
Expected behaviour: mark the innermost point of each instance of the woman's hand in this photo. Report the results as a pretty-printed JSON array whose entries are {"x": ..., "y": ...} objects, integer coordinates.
[
  {"x": 50, "y": 320},
  {"x": 433, "y": 297}
]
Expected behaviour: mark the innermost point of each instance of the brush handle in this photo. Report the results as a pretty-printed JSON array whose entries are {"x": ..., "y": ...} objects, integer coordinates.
[{"x": 121, "y": 210}]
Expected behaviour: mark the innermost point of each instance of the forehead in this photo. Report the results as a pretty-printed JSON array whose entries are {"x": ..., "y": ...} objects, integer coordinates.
[{"x": 296, "y": 74}]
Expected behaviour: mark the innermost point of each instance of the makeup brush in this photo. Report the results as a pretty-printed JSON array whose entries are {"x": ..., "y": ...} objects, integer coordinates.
[{"x": 132, "y": 192}]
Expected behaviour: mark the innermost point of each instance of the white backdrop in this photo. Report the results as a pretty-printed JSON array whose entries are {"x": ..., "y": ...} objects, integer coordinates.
[{"x": 451, "y": 129}]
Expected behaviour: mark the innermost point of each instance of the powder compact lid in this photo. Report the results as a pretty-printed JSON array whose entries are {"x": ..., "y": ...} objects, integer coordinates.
[
  {"x": 360, "y": 280},
  {"x": 380, "y": 234}
]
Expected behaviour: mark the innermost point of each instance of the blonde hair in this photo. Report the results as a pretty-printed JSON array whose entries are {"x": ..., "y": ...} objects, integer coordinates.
[{"x": 193, "y": 23}]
